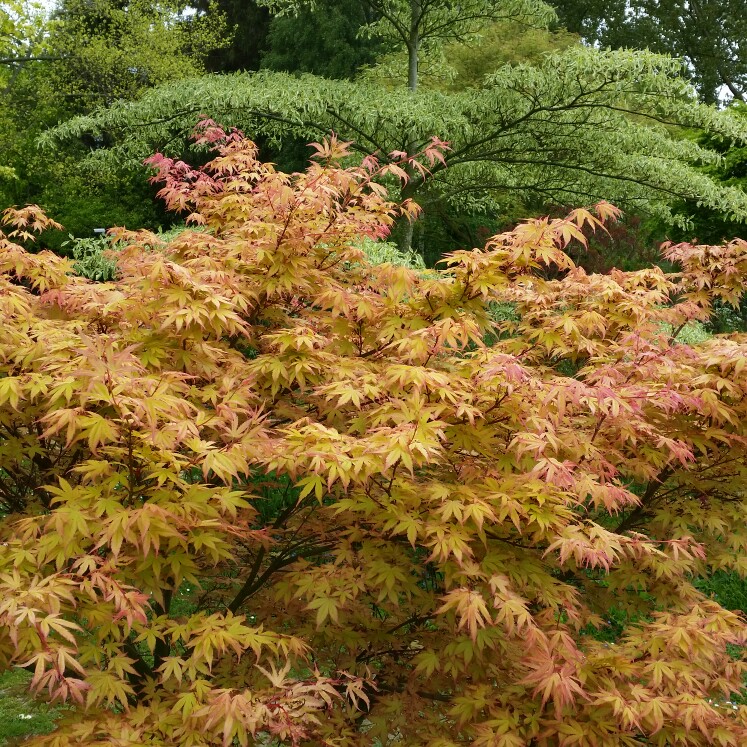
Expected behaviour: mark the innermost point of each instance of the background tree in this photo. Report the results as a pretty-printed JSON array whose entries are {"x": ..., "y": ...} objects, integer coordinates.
[
  {"x": 248, "y": 25},
  {"x": 731, "y": 169},
  {"x": 114, "y": 50},
  {"x": 23, "y": 42},
  {"x": 325, "y": 40},
  {"x": 420, "y": 25},
  {"x": 581, "y": 124},
  {"x": 502, "y": 43},
  {"x": 23, "y": 35},
  {"x": 710, "y": 35},
  {"x": 88, "y": 54}
]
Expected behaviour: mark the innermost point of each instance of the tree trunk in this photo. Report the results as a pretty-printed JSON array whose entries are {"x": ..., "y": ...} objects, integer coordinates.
[
  {"x": 413, "y": 48},
  {"x": 413, "y": 45}
]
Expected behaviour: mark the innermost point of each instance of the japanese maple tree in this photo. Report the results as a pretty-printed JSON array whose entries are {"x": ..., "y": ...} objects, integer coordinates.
[{"x": 259, "y": 488}]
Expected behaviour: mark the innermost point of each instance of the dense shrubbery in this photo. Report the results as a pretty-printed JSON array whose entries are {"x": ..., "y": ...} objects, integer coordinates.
[
  {"x": 258, "y": 485},
  {"x": 92, "y": 257}
]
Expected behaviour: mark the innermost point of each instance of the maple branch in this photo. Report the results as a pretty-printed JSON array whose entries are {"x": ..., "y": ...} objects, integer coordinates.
[
  {"x": 288, "y": 217},
  {"x": 388, "y": 489},
  {"x": 635, "y": 516},
  {"x": 434, "y": 696},
  {"x": 371, "y": 655},
  {"x": 374, "y": 351},
  {"x": 143, "y": 670},
  {"x": 498, "y": 402},
  {"x": 676, "y": 332},
  {"x": 414, "y": 620},
  {"x": 11, "y": 503},
  {"x": 253, "y": 573},
  {"x": 490, "y": 535},
  {"x": 29, "y": 58},
  {"x": 162, "y": 648},
  {"x": 246, "y": 589},
  {"x": 359, "y": 133},
  {"x": 283, "y": 559},
  {"x": 130, "y": 470}
]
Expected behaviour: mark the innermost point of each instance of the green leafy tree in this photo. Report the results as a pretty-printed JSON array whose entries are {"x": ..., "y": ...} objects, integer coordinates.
[
  {"x": 730, "y": 169},
  {"x": 24, "y": 30},
  {"x": 420, "y": 25},
  {"x": 581, "y": 124},
  {"x": 86, "y": 54},
  {"x": 710, "y": 35},
  {"x": 248, "y": 24},
  {"x": 111, "y": 49},
  {"x": 502, "y": 43},
  {"x": 23, "y": 35},
  {"x": 324, "y": 40}
]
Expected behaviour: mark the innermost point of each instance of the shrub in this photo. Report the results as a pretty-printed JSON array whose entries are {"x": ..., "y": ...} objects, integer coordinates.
[
  {"x": 380, "y": 252},
  {"x": 260, "y": 487},
  {"x": 92, "y": 257}
]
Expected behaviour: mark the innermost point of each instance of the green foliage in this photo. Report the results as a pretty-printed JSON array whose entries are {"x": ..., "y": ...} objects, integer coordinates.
[
  {"x": 379, "y": 252},
  {"x": 91, "y": 260},
  {"x": 86, "y": 197},
  {"x": 21, "y": 715},
  {"x": 709, "y": 34},
  {"x": 111, "y": 50},
  {"x": 466, "y": 63},
  {"x": 726, "y": 319},
  {"x": 24, "y": 89},
  {"x": 23, "y": 36},
  {"x": 559, "y": 132},
  {"x": 729, "y": 589},
  {"x": 87, "y": 54},
  {"x": 694, "y": 333},
  {"x": 248, "y": 24},
  {"x": 419, "y": 29},
  {"x": 505, "y": 43},
  {"x": 323, "y": 40},
  {"x": 730, "y": 169},
  {"x": 435, "y": 21}
]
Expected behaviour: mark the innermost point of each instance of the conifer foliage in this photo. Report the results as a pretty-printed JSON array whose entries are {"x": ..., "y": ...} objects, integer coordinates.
[{"x": 257, "y": 488}]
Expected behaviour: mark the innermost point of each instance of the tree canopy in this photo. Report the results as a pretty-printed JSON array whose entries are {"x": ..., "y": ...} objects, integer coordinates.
[
  {"x": 23, "y": 41},
  {"x": 110, "y": 50},
  {"x": 323, "y": 40},
  {"x": 582, "y": 124},
  {"x": 418, "y": 25},
  {"x": 22, "y": 34},
  {"x": 257, "y": 486},
  {"x": 711, "y": 35},
  {"x": 86, "y": 54},
  {"x": 248, "y": 24}
]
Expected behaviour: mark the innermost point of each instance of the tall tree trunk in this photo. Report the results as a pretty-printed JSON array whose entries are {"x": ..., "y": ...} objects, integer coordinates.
[
  {"x": 413, "y": 48},
  {"x": 413, "y": 45}
]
